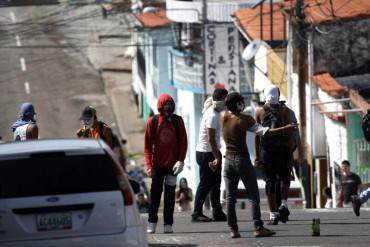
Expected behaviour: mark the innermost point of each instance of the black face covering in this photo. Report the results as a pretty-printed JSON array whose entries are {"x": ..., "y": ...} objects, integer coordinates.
[{"x": 167, "y": 110}]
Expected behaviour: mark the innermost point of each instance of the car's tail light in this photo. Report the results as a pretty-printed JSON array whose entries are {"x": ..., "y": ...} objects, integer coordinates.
[
  {"x": 124, "y": 184},
  {"x": 125, "y": 188}
]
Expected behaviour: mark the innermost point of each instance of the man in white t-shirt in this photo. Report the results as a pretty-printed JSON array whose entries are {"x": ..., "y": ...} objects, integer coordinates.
[{"x": 209, "y": 158}]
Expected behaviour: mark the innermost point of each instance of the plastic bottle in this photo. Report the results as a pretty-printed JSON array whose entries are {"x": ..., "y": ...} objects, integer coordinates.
[{"x": 315, "y": 227}]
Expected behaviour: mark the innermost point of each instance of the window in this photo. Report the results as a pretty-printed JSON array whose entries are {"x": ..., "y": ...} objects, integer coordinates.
[{"x": 51, "y": 174}]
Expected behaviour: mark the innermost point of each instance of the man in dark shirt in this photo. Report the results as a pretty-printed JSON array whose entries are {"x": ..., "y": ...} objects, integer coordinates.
[{"x": 350, "y": 185}]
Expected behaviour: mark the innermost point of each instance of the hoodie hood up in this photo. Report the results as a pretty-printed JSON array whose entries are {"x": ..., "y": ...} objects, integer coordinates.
[{"x": 163, "y": 100}]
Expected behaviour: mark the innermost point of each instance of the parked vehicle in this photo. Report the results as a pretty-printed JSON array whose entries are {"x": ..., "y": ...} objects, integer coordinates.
[{"x": 68, "y": 192}]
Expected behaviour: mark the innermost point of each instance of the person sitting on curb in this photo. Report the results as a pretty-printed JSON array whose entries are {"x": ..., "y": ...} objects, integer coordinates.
[{"x": 184, "y": 196}]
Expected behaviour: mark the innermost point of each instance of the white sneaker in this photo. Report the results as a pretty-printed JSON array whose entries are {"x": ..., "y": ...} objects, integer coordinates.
[
  {"x": 151, "y": 227},
  {"x": 168, "y": 229}
]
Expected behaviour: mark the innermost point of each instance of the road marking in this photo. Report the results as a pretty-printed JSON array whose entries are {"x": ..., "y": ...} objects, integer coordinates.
[
  {"x": 18, "y": 40},
  {"x": 27, "y": 87},
  {"x": 23, "y": 64},
  {"x": 12, "y": 16}
]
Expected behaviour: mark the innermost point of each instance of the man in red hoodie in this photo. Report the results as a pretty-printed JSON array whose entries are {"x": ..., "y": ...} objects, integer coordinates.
[{"x": 165, "y": 151}]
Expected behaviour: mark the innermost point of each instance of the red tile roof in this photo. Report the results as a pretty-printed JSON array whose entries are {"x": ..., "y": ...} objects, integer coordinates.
[
  {"x": 249, "y": 20},
  {"x": 154, "y": 19},
  {"x": 329, "y": 85},
  {"x": 326, "y": 11}
]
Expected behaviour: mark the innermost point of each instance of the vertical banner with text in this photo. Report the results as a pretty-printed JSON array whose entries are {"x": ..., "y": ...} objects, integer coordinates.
[{"x": 222, "y": 57}]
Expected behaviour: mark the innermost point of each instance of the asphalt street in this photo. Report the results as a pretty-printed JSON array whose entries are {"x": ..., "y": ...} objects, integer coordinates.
[
  {"x": 339, "y": 227},
  {"x": 43, "y": 60}
]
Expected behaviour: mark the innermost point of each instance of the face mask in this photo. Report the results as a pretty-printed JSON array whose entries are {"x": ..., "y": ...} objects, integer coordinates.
[
  {"x": 167, "y": 110},
  {"x": 240, "y": 106},
  {"x": 219, "y": 105},
  {"x": 87, "y": 123}
]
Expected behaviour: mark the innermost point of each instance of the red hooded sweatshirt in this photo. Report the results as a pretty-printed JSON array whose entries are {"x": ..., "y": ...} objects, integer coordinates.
[{"x": 165, "y": 150}]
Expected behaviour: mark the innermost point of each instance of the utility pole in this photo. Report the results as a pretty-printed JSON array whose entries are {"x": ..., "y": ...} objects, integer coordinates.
[
  {"x": 204, "y": 22},
  {"x": 301, "y": 45}
]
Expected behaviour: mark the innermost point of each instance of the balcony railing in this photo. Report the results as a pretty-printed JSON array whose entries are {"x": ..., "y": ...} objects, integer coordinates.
[{"x": 186, "y": 71}]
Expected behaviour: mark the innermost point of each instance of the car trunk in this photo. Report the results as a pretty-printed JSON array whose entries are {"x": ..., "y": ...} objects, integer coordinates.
[{"x": 57, "y": 196}]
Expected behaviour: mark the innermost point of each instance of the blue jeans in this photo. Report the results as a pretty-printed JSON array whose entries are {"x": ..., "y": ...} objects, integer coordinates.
[
  {"x": 238, "y": 167},
  {"x": 365, "y": 195}
]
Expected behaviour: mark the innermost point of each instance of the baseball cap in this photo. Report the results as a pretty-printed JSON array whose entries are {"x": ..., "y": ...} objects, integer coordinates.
[{"x": 88, "y": 113}]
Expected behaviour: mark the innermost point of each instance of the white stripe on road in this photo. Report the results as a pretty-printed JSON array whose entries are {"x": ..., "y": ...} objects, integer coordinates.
[
  {"x": 27, "y": 87},
  {"x": 23, "y": 64},
  {"x": 12, "y": 16},
  {"x": 18, "y": 40}
]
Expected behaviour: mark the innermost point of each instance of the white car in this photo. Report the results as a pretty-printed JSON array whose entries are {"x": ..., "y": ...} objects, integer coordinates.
[{"x": 67, "y": 192}]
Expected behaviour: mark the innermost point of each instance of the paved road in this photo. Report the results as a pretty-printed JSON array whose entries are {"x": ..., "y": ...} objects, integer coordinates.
[
  {"x": 338, "y": 228},
  {"x": 41, "y": 61}
]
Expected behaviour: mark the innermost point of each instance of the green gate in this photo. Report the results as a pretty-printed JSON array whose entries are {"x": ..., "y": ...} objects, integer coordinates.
[{"x": 361, "y": 159}]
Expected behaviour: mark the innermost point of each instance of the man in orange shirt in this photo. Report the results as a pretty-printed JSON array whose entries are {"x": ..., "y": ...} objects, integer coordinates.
[{"x": 93, "y": 128}]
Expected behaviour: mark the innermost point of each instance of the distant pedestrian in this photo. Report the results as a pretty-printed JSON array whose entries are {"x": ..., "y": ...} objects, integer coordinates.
[
  {"x": 184, "y": 196},
  {"x": 165, "y": 151},
  {"x": 350, "y": 185},
  {"x": 142, "y": 203},
  {"x": 329, "y": 198},
  {"x": 276, "y": 152},
  {"x": 209, "y": 158},
  {"x": 25, "y": 128},
  {"x": 238, "y": 164},
  {"x": 93, "y": 128}
]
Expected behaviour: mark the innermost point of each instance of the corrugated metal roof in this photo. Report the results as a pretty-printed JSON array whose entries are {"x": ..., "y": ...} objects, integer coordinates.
[
  {"x": 321, "y": 11},
  {"x": 249, "y": 20},
  {"x": 154, "y": 19},
  {"x": 329, "y": 85}
]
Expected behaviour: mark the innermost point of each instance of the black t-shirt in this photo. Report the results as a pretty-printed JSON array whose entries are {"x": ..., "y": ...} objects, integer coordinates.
[{"x": 350, "y": 184}]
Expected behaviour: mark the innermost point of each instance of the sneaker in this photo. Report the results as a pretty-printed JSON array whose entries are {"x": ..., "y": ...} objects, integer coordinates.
[
  {"x": 167, "y": 229},
  {"x": 273, "y": 221},
  {"x": 151, "y": 227},
  {"x": 220, "y": 217},
  {"x": 356, "y": 204},
  {"x": 201, "y": 218},
  {"x": 234, "y": 234},
  {"x": 263, "y": 232},
  {"x": 284, "y": 213}
]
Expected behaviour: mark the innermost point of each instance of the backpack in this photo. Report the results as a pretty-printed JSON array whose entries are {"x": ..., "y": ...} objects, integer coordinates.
[
  {"x": 174, "y": 120},
  {"x": 272, "y": 119},
  {"x": 366, "y": 125}
]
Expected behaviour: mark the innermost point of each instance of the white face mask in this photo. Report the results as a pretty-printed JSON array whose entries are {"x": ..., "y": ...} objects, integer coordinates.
[
  {"x": 240, "y": 106},
  {"x": 88, "y": 123},
  {"x": 219, "y": 105}
]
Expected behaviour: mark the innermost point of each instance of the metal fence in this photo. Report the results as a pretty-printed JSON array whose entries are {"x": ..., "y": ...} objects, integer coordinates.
[{"x": 361, "y": 159}]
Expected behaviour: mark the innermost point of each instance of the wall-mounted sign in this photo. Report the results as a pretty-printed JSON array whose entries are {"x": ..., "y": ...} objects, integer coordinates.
[{"x": 222, "y": 57}]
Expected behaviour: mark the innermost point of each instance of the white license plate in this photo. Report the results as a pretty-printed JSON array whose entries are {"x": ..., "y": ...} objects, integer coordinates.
[{"x": 57, "y": 221}]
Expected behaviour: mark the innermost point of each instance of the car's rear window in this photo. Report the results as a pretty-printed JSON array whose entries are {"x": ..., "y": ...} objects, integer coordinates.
[{"x": 56, "y": 174}]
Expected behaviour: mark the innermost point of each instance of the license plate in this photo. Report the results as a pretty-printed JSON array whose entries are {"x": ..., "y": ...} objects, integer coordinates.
[{"x": 57, "y": 221}]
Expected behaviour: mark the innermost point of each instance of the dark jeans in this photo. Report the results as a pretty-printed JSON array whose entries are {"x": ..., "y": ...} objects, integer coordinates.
[
  {"x": 237, "y": 167},
  {"x": 210, "y": 182},
  {"x": 162, "y": 178},
  {"x": 277, "y": 169}
]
